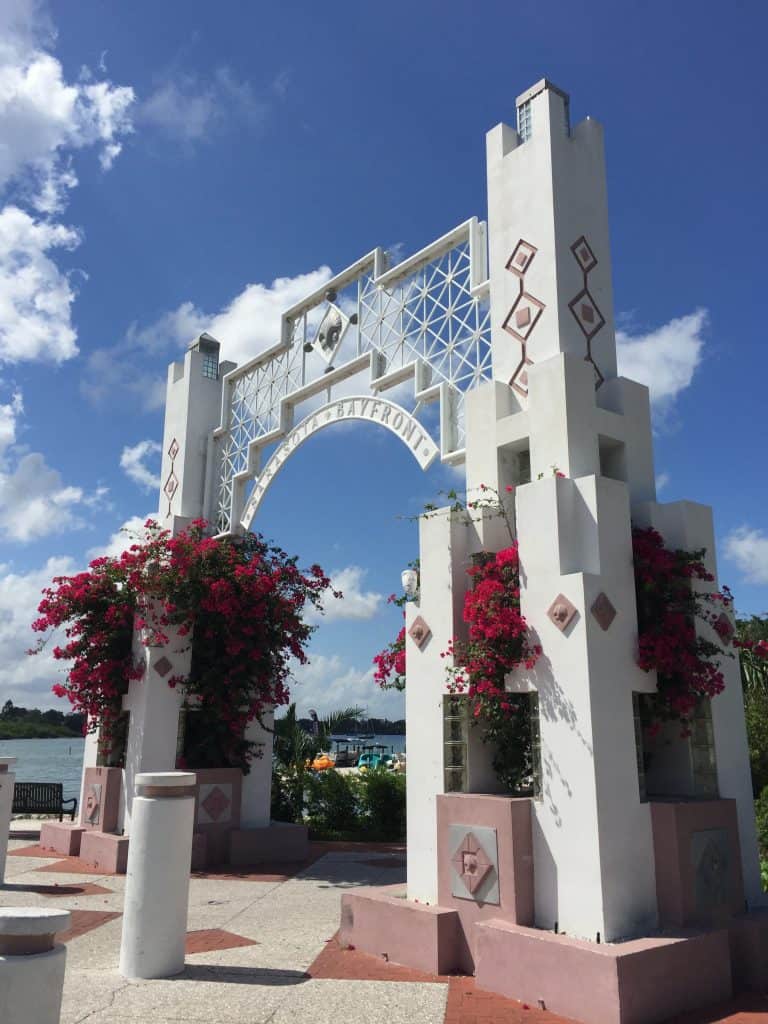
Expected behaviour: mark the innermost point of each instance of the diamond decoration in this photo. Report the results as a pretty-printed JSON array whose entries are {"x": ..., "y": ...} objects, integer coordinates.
[
  {"x": 163, "y": 666},
  {"x": 173, "y": 449},
  {"x": 419, "y": 632},
  {"x": 562, "y": 612},
  {"x": 724, "y": 627},
  {"x": 588, "y": 316},
  {"x": 330, "y": 332},
  {"x": 216, "y": 803},
  {"x": 471, "y": 863},
  {"x": 522, "y": 318},
  {"x": 171, "y": 486},
  {"x": 520, "y": 377},
  {"x": 603, "y": 611},
  {"x": 521, "y": 258},
  {"x": 584, "y": 255}
]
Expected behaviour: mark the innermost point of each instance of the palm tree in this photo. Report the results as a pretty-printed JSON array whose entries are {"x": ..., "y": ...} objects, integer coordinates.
[{"x": 294, "y": 751}]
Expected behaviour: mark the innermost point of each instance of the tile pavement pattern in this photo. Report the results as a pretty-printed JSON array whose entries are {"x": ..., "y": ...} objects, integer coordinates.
[{"x": 262, "y": 949}]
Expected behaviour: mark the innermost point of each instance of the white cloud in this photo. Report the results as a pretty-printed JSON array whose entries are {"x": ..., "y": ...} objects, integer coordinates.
[
  {"x": 27, "y": 680},
  {"x": 192, "y": 107},
  {"x": 131, "y": 532},
  {"x": 662, "y": 479},
  {"x": 44, "y": 121},
  {"x": 133, "y": 461},
  {"x": 356, "y": 602},
  {"x": 328, "y": 684},
  {"x": 664, "y": 359},
  {"x": 35, "y": 296},
  {"x": 748, "y": 548},
  {"x": 245, "y": 326}
]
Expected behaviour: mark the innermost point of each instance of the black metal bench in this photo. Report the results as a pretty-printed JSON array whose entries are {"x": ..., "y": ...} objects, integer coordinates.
[{"x": 42, "y": 798}]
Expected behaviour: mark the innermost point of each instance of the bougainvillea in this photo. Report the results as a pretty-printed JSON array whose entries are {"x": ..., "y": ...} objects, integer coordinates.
[
  {"x": 669, "y": 603},
  {"x": 389, "y": 672},
  {"x": 239, "y": 599},
  {"x": 497, "y": 642}
]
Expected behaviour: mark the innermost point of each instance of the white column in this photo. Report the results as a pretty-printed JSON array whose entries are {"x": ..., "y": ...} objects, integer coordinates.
[
  {"x": 7, "y": 781},
  {"x": 154, "y": 707},
  {"x": 256, "y": 799},
  {"x": 31, "y": 966},
  {"x": 157, "y": 877}
]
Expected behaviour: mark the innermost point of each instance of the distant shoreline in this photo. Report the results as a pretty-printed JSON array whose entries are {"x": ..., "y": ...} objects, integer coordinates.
[{"x": 27, "y": 731}]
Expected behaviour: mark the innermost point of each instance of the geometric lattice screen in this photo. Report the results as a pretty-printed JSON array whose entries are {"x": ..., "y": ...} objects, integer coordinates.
[{"x": 421, "y": 327}]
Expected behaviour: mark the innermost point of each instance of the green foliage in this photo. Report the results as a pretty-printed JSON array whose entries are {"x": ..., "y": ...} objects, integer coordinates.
[
  {"x": 31, "y": 723},
  {"x": 761, "y": 818},
  {"x": 383, "y": 804},
  {"x": 334, "y": 803}
]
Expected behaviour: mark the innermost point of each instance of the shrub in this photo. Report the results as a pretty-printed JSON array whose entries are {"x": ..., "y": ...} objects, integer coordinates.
[
  {"x": 383, "y": 804},
  {"x": 761, "y": 816},
  {"x": 333, "y": 803}
]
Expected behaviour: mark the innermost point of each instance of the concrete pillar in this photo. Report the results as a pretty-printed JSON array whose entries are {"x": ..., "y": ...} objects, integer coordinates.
[
  {"x": 154, "y": 708},
  {"x": 31, "y": 965},
  {"x": 7, "y": 782},
  {"x": 256, "y": 798},
  {"x": 157, "y": 879}
]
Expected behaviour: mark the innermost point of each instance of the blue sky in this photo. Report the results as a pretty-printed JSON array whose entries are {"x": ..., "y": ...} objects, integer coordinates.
[{"x": 164, "y": 168}]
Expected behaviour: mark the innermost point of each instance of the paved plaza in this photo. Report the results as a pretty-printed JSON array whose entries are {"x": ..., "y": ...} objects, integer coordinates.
[{"x": 261, "y": 948}]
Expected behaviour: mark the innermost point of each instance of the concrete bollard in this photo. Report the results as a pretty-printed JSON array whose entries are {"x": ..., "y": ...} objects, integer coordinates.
[
  {"x": 31, "y": 966},
  {"x": 7, "y": 782},
  {"x": 157, "y": 881}
]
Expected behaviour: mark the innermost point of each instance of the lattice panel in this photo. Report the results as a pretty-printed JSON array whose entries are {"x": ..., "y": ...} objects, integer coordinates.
[{"x": 429, "y": 314}]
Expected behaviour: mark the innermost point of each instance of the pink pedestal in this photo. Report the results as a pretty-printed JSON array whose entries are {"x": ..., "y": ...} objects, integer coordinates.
[
  {"x": 101, "y": 798},
  {"x": 61, "y": 837},
  {"x": 104, "y": 851},
  {"x": 278, "y": 841},
  {"x": 636, "y": 982},
  {"x": 749, "y": 951},
  {"x": 380, "y": 921},
  {"x": 217, "y": 812},
  {"x": 510, "y": 819},
  {"x": 698, "y": 862}
]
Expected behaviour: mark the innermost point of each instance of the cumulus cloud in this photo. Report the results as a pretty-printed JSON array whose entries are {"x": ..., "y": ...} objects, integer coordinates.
[
  {"x": 748, "y": 549},
  {"x": 664, "y": 359},
  {"x": 35, "y": 296},
  {"x": 356, "y": 602},
  {"x": 131, "y": 532},
  {"x": 662, "y": 479},
  {"x": 328, "y": 683},
  {"x": 245, "y": 326},
  {"x": 44, "y": 121},
  {"x": 133, "y": 461},
  {"x": 27, "y": 680}
]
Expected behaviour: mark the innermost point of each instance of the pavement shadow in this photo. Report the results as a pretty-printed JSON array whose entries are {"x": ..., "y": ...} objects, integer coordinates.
[{"x": 226, "y": 975}]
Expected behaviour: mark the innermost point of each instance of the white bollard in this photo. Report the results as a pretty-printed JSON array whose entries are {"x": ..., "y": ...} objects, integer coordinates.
[
  {"x": 31, "y": 966},
  {"x": 157, "y": 878},
  {"x": 7, "y": 782}
]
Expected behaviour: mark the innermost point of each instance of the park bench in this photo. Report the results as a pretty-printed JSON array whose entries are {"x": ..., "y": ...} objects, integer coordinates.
[{"x": 42, "y": 798}]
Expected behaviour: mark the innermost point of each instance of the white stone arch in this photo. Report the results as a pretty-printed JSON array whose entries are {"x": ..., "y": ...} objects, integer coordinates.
[
  {"x": 356, "y": 407},
  {"x": 422, "y": 327}
]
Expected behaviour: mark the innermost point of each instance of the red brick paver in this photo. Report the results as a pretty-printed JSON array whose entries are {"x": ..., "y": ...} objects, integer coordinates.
[
  {"x": 334, "y": 962},
  {"x": 85, "y": 921},
  {"x": 205, "y": 940},
  {"x": 35, "y": 850}
]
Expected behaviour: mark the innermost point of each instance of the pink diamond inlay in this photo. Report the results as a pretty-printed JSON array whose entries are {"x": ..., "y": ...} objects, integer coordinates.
[
  {"x": 163, "y": 666},
  {"x": 216, "y": 803},
  {"x": 419, "y": 632},
  {"x": 603, "y": 611},
  {"x": 522, "y": 259},
  {"x": 173, "y": 450},
  {"x": 523, "y": 317},
  {"x": 584, "y": 253},
  {"x": 471, "y": 862},
  {"x": 561, "y": 612},
  {"x": 171, "y": 485},
  {"x": 588, "y": 313}
]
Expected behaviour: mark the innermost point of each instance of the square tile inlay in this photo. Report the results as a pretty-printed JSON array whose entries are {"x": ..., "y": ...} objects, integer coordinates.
[
  {"x": 163, "y": 666},
  {"x": 419, "y": 632},
  {"x": 215, "y": 805},
  {"x": 562, "y": 612},
  {"x": 474, "y": 863},
  {"x": 603, "y": 611}
]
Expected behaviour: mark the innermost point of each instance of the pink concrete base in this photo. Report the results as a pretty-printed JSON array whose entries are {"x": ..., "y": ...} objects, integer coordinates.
[
  {"x": 674, "y": 824},
  {"x": 749, "y": 951},
  {"x": 636, "y": 982},
  {"x": 61, "y": 837},
  {"x": 511, "y": 819},
  {"x": 278, "y": 841},
  {"x": 199, "y": 852},
  {"x": 381, "y": 921},
  {"x": 105, "y": 852},
  {"x": 101, "y": 798}
]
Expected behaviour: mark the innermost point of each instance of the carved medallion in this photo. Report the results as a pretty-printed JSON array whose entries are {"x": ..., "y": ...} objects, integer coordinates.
[
  {"x": 419, "y": 632},
  {"x": 562, "y": 612}
]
